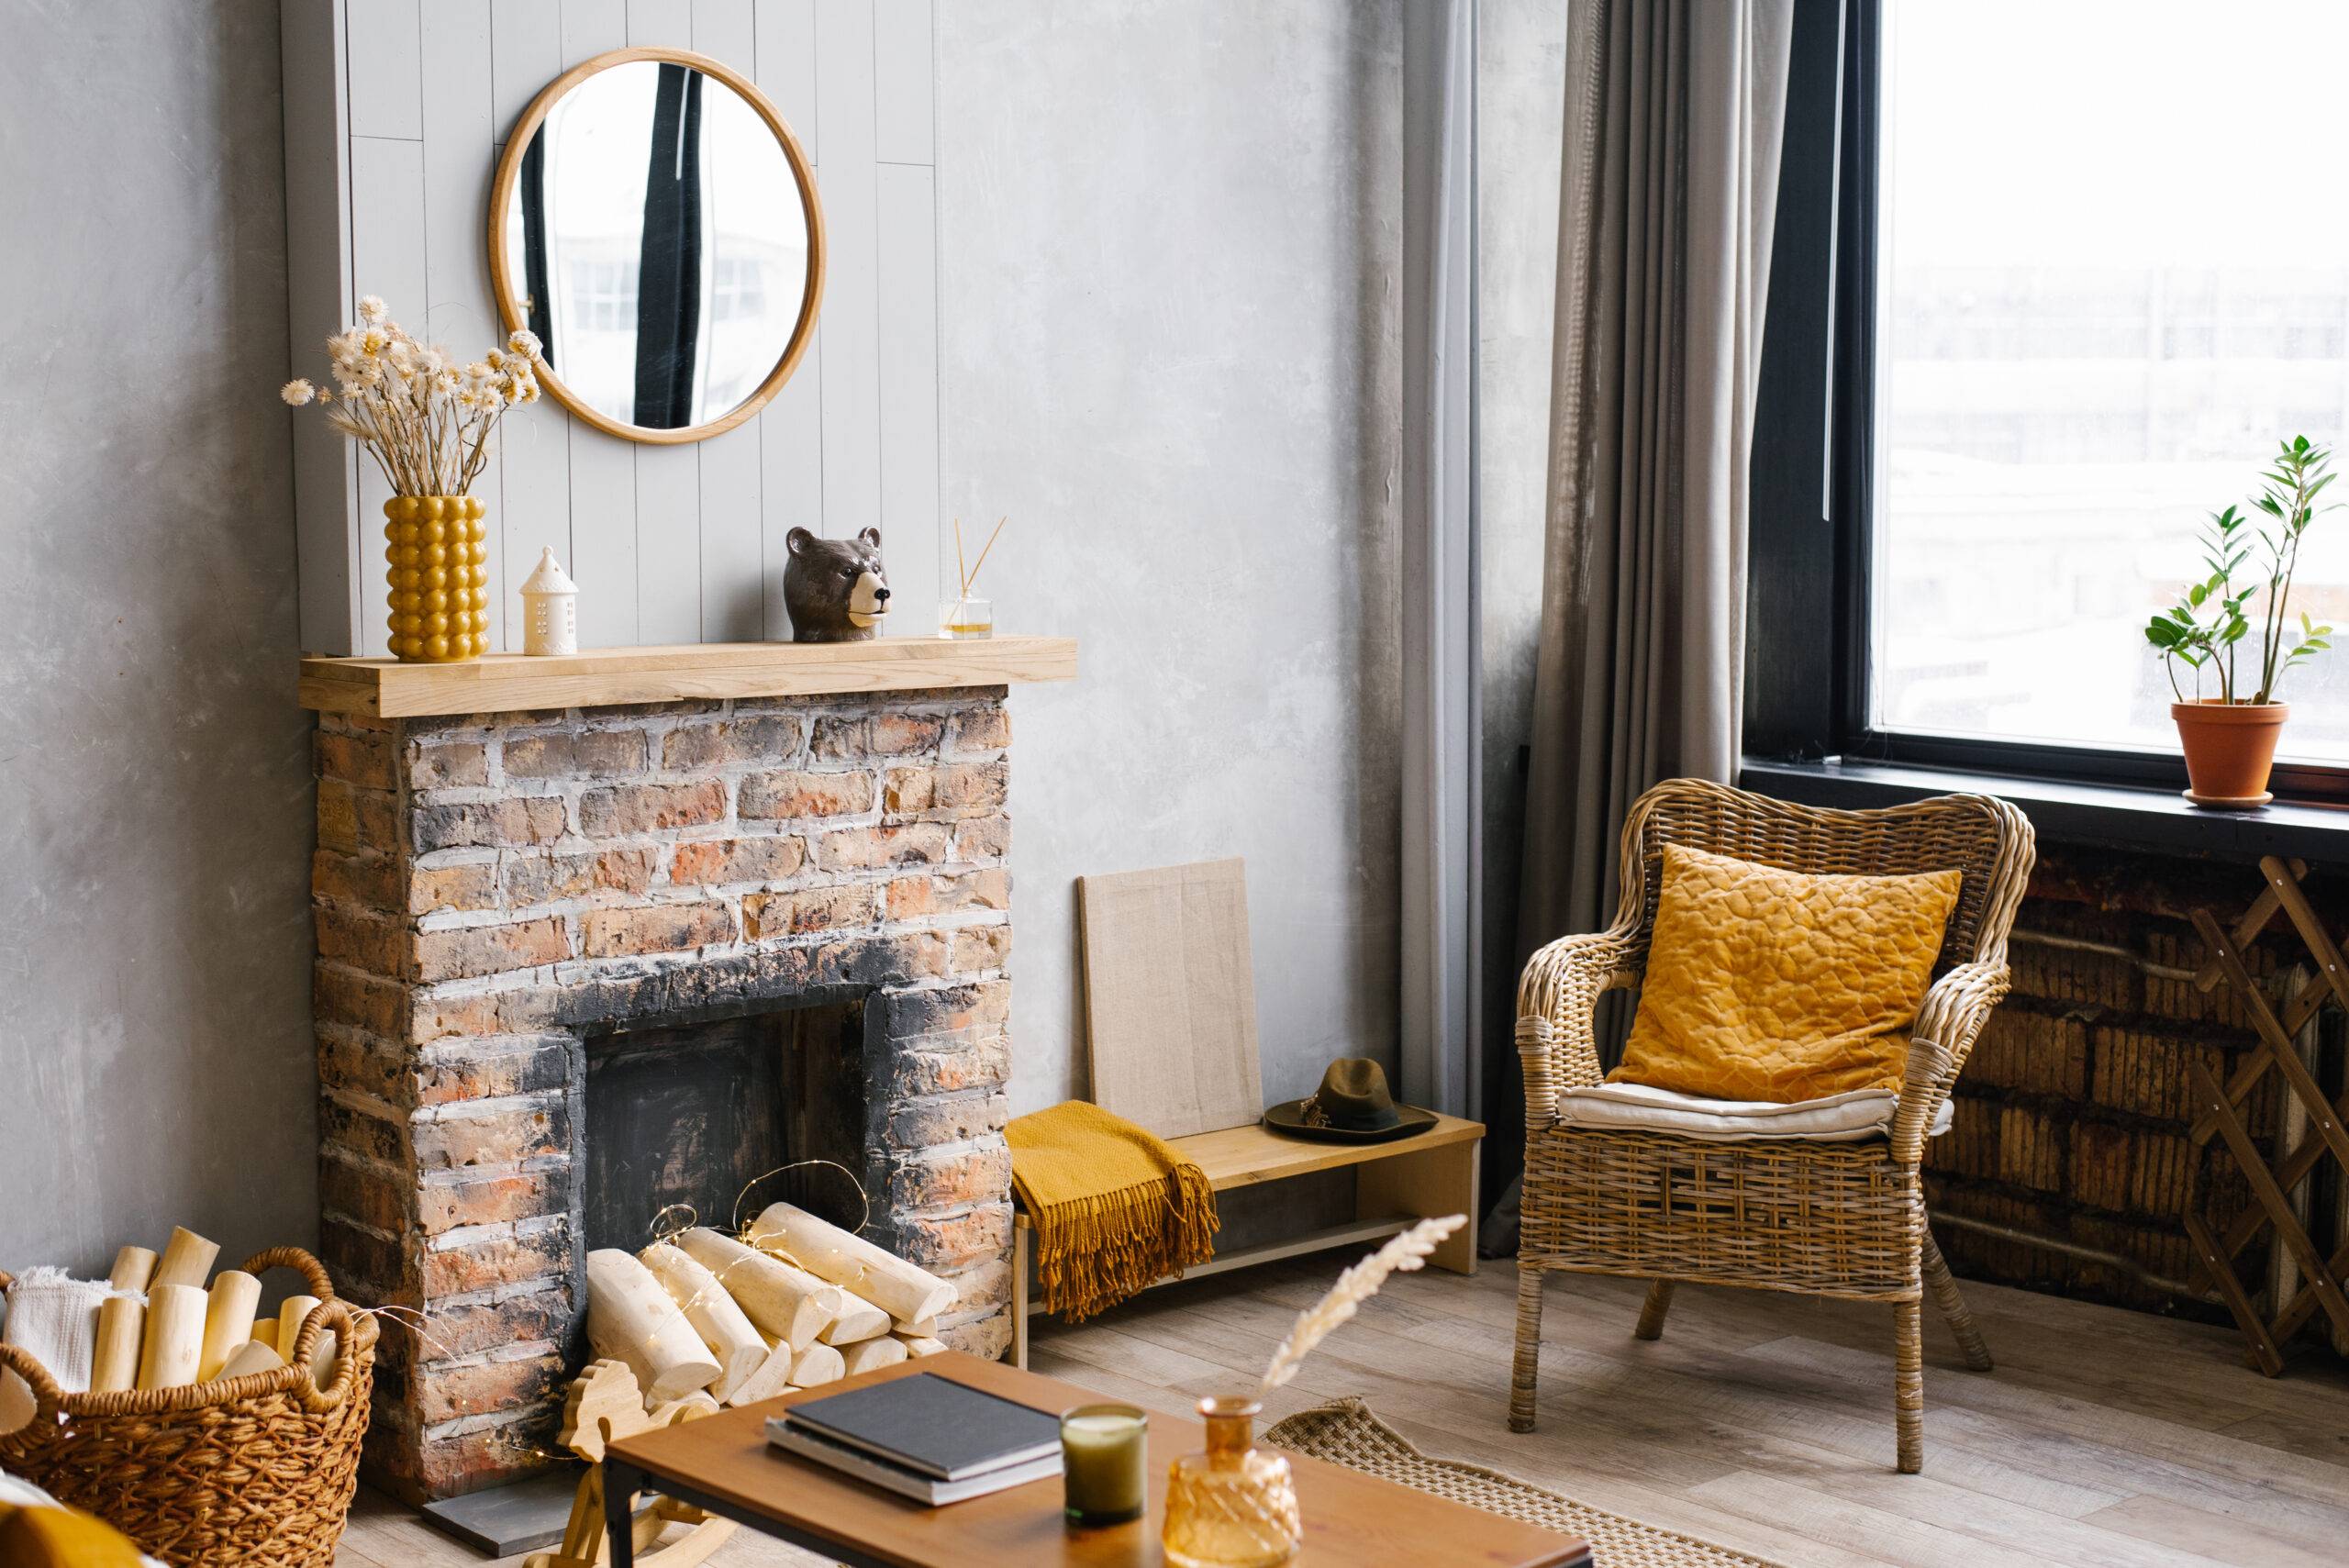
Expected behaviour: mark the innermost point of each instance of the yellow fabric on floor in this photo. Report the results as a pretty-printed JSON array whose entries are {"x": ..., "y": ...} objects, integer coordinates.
[
  {"x": 1114, "y": 1207},
  {"x": 61, "y": 1538}
]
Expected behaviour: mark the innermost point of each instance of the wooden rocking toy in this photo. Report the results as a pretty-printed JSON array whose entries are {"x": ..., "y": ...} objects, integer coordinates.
[{"x": 604, "y": 1404}]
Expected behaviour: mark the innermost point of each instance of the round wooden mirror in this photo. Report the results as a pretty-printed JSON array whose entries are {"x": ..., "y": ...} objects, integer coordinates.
[{"x": 655, "y": 223}]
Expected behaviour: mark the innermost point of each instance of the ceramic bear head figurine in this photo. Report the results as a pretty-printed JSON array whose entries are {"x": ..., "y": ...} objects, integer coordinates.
[{"x": 834, "y": 588}]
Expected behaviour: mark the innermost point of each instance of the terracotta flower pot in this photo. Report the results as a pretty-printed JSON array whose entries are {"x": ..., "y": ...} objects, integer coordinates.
[{"x": 2229, "y": 748}]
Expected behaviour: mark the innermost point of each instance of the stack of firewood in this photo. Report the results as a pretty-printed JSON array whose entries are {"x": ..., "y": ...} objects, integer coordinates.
[{"x": 702, "y": 1320}]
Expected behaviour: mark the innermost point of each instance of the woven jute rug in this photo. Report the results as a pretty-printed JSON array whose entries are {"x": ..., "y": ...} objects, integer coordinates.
[{"x": 1347, "y": 1433}]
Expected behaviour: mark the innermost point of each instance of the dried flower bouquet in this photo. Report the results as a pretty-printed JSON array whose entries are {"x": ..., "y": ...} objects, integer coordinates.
[{"x": 423, "y": 417}]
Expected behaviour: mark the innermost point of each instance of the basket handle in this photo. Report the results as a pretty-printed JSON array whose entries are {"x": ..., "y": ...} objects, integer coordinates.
[
  {"x": 47, "y": 1398},
  {"x": 300, "y": 1261},
  {"x": 330, "y": 1312},
  {"x": 347, "y": 1327}
]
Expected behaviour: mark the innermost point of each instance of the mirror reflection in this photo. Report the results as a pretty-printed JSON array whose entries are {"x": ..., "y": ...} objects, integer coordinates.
[{"x": 657, "y": 242}]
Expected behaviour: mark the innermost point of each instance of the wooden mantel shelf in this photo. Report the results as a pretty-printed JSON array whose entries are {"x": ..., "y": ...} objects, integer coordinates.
[{"x": 511, "y": 683}]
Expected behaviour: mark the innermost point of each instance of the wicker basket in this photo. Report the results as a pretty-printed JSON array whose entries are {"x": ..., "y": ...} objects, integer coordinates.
[{"x": 251, "y": 1469}]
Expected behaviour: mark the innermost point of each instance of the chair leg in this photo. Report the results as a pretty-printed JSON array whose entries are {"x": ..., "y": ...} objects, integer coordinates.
[
  {"x": 1529, "y": 1346},
  {"x": 1943, "y": 1290},
  {"x": 1653, "y": 1309},
  {"x": 1908, "y": 1384}
]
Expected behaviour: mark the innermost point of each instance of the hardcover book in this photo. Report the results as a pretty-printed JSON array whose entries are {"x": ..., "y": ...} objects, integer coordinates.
[
  {"x": 931, "y": 1425},
  {"x": 896, "y": 1478}
]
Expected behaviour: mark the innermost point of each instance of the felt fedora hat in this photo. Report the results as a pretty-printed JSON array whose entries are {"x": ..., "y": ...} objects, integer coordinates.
[{"x": 1352, "y": 1106}]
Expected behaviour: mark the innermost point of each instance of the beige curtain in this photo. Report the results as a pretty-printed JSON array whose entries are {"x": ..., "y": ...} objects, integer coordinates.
[{"x": 1673, "y": 110}]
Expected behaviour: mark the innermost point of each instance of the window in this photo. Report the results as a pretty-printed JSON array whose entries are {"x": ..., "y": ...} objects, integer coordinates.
[
  {"x": 737, "y": 285},
  {"x": 2108, "y": 274},
  {"x": 603, "y": 295}
]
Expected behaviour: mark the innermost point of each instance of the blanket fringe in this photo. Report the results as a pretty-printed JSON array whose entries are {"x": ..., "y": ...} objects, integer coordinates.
[{"x": 1094, "y": 1252}]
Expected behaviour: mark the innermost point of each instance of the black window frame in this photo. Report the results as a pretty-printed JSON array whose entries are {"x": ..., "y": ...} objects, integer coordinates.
[{"x": 1812, "y": 481}]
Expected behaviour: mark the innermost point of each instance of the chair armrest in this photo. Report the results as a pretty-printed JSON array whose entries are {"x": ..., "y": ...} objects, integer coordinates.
[
  {"x": 1555, "y": 997},
  {"x": 1953, "y": 1012}
]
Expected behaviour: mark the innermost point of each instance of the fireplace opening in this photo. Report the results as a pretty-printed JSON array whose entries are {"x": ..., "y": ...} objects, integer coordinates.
[{"x": 693, "y": 1114}]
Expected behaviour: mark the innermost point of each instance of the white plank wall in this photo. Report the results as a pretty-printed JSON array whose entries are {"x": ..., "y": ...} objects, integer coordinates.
[{"x": 669, "y": 544}]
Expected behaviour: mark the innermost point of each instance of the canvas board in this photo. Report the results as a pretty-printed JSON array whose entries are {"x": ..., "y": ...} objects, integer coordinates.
[{"x": 1170, "y": 997}]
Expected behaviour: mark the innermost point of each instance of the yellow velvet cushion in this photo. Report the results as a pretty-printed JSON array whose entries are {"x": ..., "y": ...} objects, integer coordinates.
[{"x": 1768, "y": 985}]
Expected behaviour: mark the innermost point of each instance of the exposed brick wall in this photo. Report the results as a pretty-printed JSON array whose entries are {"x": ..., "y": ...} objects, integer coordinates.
[
  {"x": 2071, "y": 1115},
  {"x": 486, "y": 889}
]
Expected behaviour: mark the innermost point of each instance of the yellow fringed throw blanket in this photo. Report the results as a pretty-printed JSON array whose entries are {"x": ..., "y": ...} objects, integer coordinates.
[{"x": 1114, "y": 1207}]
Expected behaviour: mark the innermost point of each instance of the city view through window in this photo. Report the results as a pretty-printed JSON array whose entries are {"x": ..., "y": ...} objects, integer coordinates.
[{"x": 2115, "y": 272}]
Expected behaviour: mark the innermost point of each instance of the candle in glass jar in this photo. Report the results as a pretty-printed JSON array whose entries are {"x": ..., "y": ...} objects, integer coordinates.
[{"x": 1102, "y": 1463}]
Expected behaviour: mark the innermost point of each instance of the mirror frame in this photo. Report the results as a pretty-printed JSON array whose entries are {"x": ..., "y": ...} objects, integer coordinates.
[{"x": 509, "y": 172}]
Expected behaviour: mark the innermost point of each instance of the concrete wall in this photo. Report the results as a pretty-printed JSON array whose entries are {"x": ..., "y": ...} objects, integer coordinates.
[
  {"x": 155, "y": 1064},
  {"x": 1171, "y": 354}
]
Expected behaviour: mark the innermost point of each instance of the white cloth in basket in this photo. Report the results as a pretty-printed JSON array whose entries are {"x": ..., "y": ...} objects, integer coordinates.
[{"x": 53, "y": 1317}]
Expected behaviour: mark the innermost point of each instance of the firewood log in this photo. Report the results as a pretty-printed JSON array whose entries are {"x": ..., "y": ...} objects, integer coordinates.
[
  {"x": 134, "y": 1269},
  {"x": 862, "y": 1320},
  {"x": 817, "y": 1364},
  {"x": 174, "y": 1347},
  {"x": 918, "y": 1328},
  {"x": 714, "y": 1314},
  {"x": 291, "y": 1314},
  {"x": 697, "y": 1403},
  {"x": 917, "y": 1346},
  {"x": 187, "y": 1260},
  {"x": 228, "y": 1319},
  {"x": 631, "y": 1319},
  {"x": 867, "y": 1354},
  {"x": 253, "y": 1356},
  {"x": 856, "y": 1266},
  {"x": 122, "y": 1333},
  {"x": 772, "y": 1377},
  {"x": 787, "y": 1304}
]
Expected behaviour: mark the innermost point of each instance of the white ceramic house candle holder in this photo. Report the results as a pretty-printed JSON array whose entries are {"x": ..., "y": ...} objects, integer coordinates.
[{"x": 549, "y": 608}]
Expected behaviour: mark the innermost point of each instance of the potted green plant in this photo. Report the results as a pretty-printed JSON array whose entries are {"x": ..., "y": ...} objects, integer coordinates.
[{"x": 2229, "y": 738}]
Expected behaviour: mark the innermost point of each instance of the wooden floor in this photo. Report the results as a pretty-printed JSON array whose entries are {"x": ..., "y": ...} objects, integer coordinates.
[{"x": 1760, "y": 1422}]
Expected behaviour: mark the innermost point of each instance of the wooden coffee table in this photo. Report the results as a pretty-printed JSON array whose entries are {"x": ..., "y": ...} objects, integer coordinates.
[{"x": 723, "y": 1463}]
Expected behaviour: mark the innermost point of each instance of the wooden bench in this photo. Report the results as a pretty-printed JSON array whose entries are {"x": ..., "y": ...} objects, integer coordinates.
[{"x": 1395, "y": 1185}]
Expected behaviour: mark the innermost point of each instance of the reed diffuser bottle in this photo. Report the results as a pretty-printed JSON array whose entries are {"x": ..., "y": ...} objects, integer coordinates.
[{"x": 967, "y": 616}]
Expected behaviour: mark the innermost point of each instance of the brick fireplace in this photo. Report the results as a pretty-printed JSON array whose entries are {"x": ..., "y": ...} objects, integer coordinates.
[{"x": 505, "y": 900}]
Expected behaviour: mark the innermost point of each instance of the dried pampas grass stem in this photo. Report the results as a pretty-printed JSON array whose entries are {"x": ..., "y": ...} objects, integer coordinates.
[{"x": 1356, "y": 1286}]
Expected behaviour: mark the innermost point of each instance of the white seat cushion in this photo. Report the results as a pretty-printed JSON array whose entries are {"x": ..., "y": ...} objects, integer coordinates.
[{"x": 1849, "y": 1118}]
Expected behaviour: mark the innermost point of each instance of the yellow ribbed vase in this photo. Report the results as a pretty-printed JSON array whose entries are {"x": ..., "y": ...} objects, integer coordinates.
[{"x": 438, "y": 558}]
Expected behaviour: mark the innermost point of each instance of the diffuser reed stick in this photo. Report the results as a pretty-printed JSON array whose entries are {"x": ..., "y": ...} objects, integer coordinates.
[{"x": 970, "y": 575}]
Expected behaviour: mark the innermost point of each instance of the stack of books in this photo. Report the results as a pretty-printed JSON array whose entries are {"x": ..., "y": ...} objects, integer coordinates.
[{"x": 924, "y": 1437}]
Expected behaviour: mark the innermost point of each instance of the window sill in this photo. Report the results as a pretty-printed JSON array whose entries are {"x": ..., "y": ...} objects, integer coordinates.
[{"x": 2071, "y": 813}]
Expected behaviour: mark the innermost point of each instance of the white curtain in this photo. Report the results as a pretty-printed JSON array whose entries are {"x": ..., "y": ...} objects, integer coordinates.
[{"x": 1441, "y": 797}]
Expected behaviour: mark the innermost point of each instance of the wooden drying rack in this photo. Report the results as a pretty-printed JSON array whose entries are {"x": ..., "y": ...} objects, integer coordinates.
[{"x": 2220, "y": 1115}]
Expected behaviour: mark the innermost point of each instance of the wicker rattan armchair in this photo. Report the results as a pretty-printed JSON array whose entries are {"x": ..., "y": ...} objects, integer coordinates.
[{"x": 1815, "y": 1218}]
